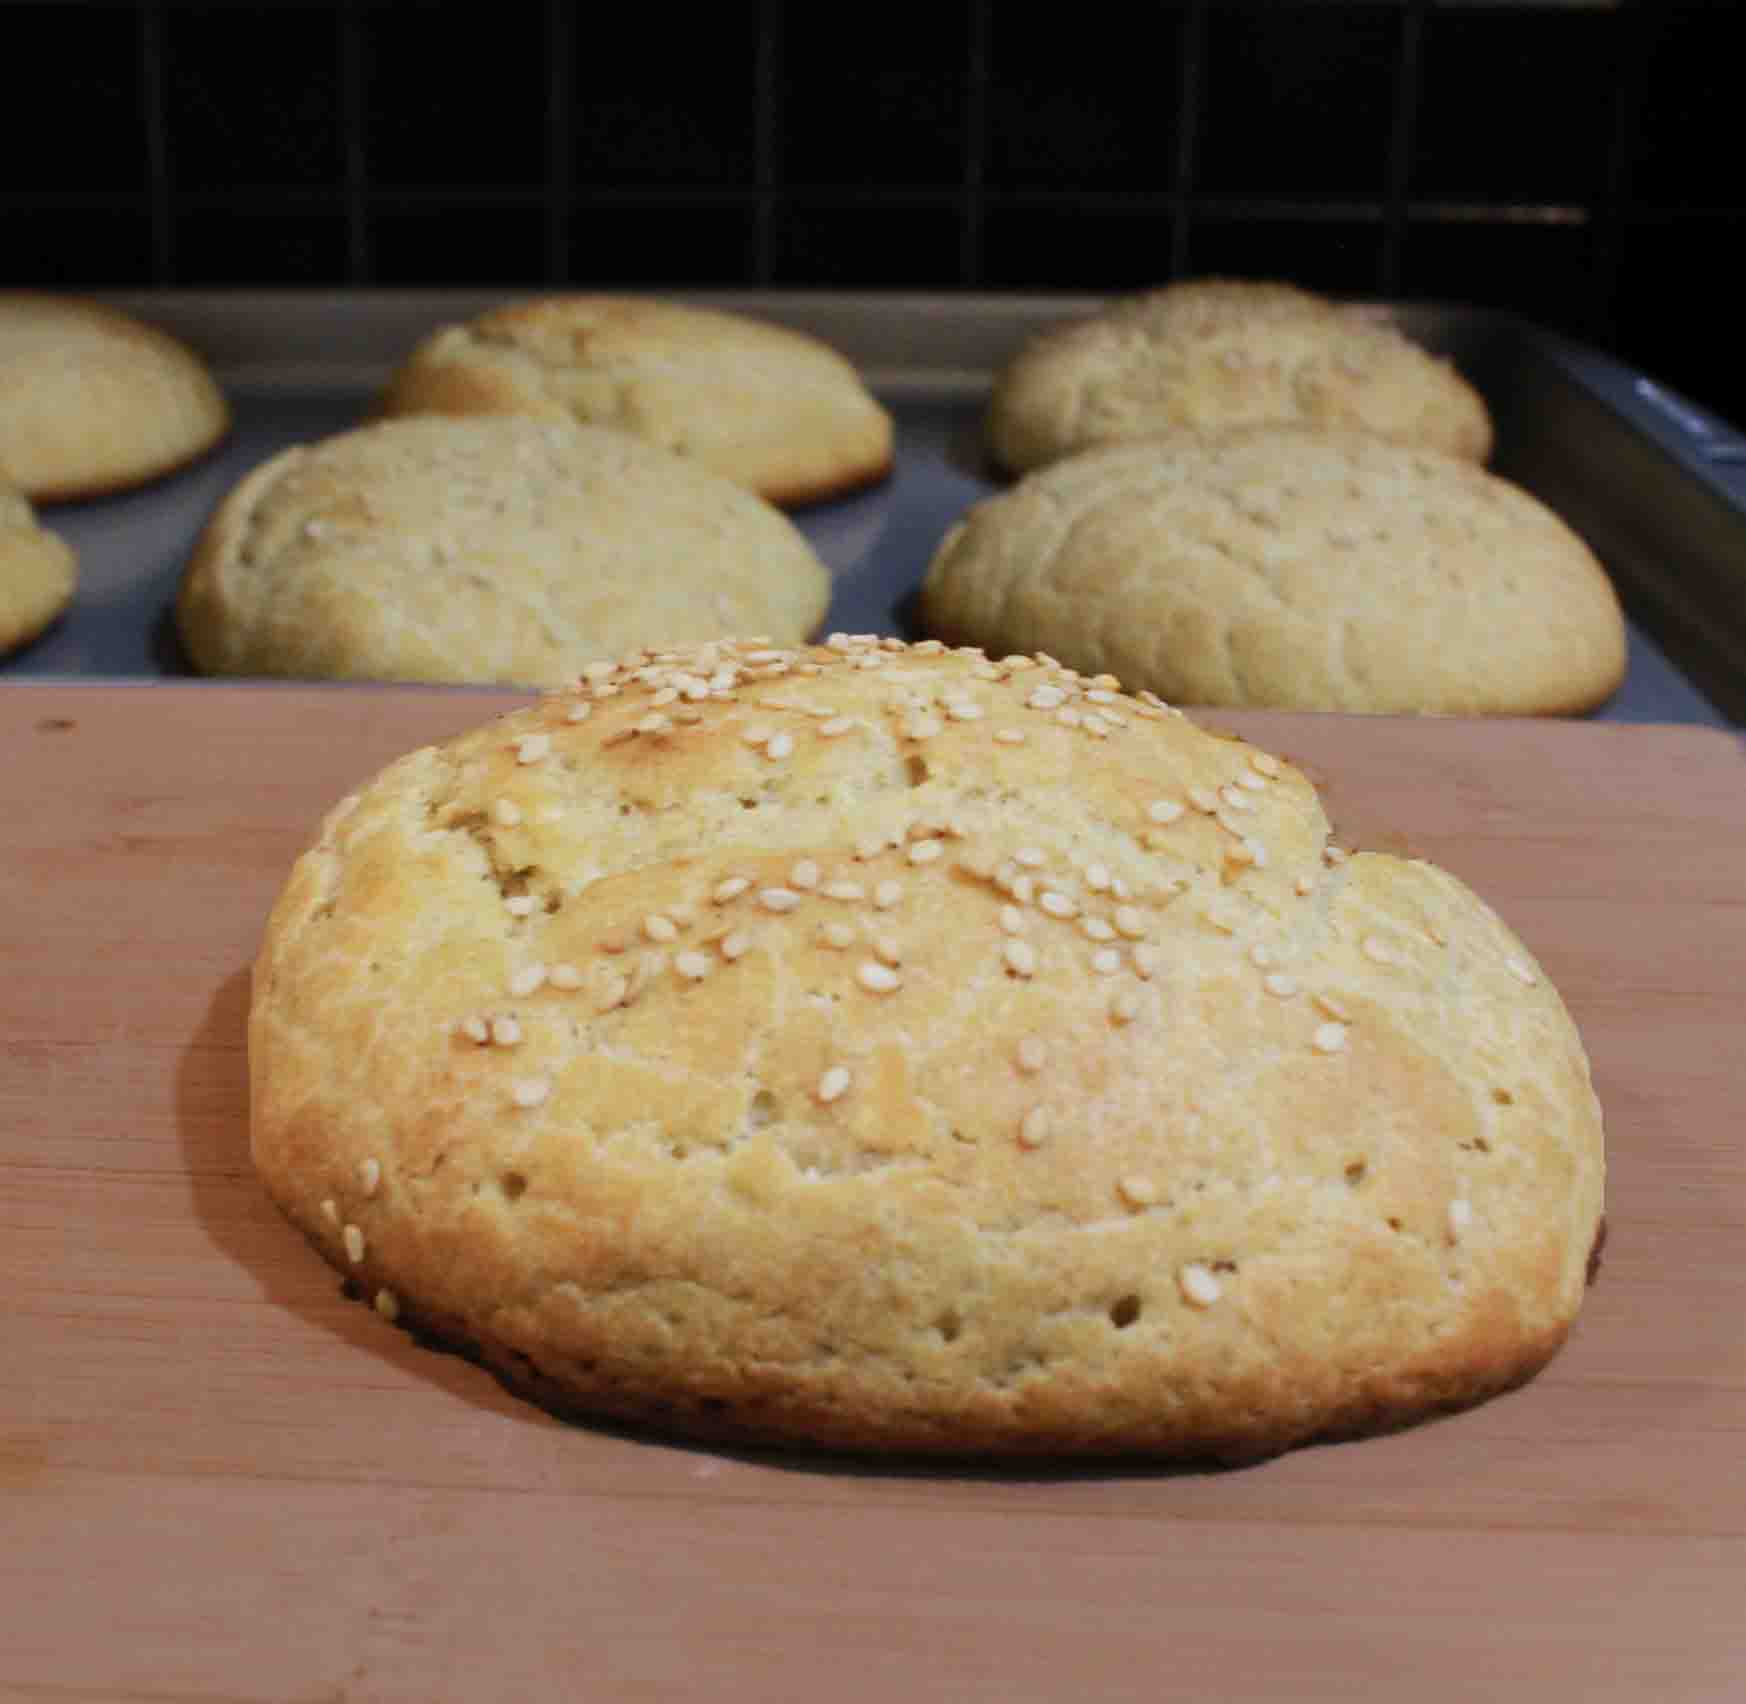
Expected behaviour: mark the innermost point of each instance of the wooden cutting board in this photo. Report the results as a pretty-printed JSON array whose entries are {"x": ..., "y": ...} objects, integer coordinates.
[{"x": 219, "y": 1480}]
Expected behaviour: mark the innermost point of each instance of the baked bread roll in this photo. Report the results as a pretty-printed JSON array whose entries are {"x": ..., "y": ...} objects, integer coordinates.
[
  {"x": 38, "y": 571},
  {"x": 501, "y": 549},
  {"x": 767, "y": 407},
  {"x": 92, "y": 401},
  {"x": 1287, "y": 568},
  {"x": 891, "y": 1049},
  {"x": 1217, "y": 353}
]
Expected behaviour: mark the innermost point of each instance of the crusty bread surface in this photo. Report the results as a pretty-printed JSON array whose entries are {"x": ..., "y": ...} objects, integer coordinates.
[
  {"x": 94, "y": 401},
  {"x": 768, "y": 407},
  {"x": 1212, "y": 354},
  {"x": 891, "y": 1049},
  {"x": 492, "y": 550},
  {"x": 38, "y": 571},
  {"x": 1288, "y": 568}
]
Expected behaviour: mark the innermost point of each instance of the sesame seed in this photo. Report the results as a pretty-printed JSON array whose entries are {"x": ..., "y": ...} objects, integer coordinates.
[
  {"x": 1257, "y": 852},
  {"x": 506, "y": 1032},
  {"x": 1460, "y": 1217},
  {"x": 657, "y": 927},
  {"x": 388, "y": 1305},
  {"x": 692, "y": 965},
  {"x": 1130, "y": 922},
  {"x": 1253, "y": 782},
  {"x": 804, "y": 875},
  {"x": 476, "y": 1029},
  {"x": 598, "y": 671},
  {"x": 1012, "y": 920},
  {"x": 731, "y": 889},
  {"x": 1030, "y": 857},
  {"x": 1017, "y": 661},
  {"x": 1096, "y": 929},
  {"x": 1021, "y": 958},
  {"x": 1057, "y": 904},
  {"x": 868, "y": 847},
  {"x": 1148, "y": 960},
  {"x": 1202, "y": 800},
  {"x": 888, "y": 951},
  {"x": 779, "y": 746},
  {"x": 877, "y": 978},
  {"x": 886, "y": 895},
  {"x": 838, "y": 935},
  {"x": 527, "y": 1092},
  {"x": 922, "y": 727},
  {"x": 1378, "y": 951},
  {"x": 778, "y": 899},
  {"x": 532, "y": 748},
  {"x": 962, "y": 710},
  {"x": 845, "y": 891},
  {"x": 565, "y": 976},
  {"x": 1031, "y": 1055},
  {"x": 766, "y": 657},
  {"x": 506, "y": 813},
  {"x": 579, "y": 711},
  {"x": 1327, "y": 1003},
  {"x": 1098, "y": 878},
  {"x": 1264, "y": 764},
  {"x": 527, "y": 980},
  {"x": 835, "y": 726},
  {"x": 354, "y": 1241},
  {"x": 1009, "y": 736},
  {"x": 520, "y": 904},
  {"x": 1137, "y": 1189},
  {"x": 833, "y": 1085},
  {"x": 1033, "y": 1130},
  {"x": 1106, "y": 961},
  {"x": 1280, "y": 986},
  {"x": 1163, "y": 810},
  {"x": 759, "y": 733},
  {"x": 614, "y": 991},
  {"x": 1260, "y": 956},
  {"x": 1236, "y": 799},
  {"x": 1333, "y": 856},
  {"x": 1046, "y": 698},
  {"x": 1068, "y": 718},
  {"x": 330, "y": 1211},
  {"x": 1125, "y": 1007},
  {"x": 1329, "y": 1038},
  {"x": 1200, "y": 1289},
  {"x": 1305, "y": 886},
  {"x": 925, "y": 851},
  {"x": 369, "y": 1176},
  {"x": 1521, "y": 972}
]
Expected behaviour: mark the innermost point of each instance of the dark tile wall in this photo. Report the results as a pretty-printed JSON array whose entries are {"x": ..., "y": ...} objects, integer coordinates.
[{"x": 1576, "y": 163}]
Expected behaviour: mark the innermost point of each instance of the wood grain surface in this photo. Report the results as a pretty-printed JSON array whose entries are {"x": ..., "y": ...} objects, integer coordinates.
[{"x": 220, "y": 1480}]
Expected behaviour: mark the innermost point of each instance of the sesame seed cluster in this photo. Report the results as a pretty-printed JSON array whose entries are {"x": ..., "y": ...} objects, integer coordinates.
[{"x": 905, "y": 1047}]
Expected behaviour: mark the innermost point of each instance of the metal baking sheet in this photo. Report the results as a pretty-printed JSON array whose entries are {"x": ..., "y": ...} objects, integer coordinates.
[{"x": 1657, "y": 486}]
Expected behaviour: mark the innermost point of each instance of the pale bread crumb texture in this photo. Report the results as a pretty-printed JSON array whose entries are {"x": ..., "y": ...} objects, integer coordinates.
[
  {"x": 94, "y": 401},
  {"x": 1213, "y": 354},
  {"x": 1291, "y": 569},
  {"x": 769, "y": 407},
  {"x": 758, "y": 1126},
  {"x": 38, "y": 572},
  {"x": 491, "y": 550}
]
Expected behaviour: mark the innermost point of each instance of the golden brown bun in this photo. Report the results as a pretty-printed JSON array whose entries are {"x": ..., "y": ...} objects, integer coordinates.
[
  {"x": 499, "y": 549},
  {"x": 1288, "y": 568},
  {"x": 38, "y": 571},
  {"x": 1216, "y": 353},
  {"x": 769, "y": 408},
  {"x": 92, "y": 401},
  {"x": 883, "y": 1048}
]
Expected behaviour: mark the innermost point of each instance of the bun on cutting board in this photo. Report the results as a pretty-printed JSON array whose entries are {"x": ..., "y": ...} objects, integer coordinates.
[
  {"x": 94, "y": 401},
  {"x": 1282, "y": 567},
  {"x": 1211, "y": 354},
  {"x": 765, "y": 406},
  {"x": 38, "y": 571},
  {"x": 891, "y": 1049},
  {"x": 500, "y": 549}
]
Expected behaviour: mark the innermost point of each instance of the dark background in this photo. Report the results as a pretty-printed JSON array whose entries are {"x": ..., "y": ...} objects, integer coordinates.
[{"x": 1579, "y": 164}]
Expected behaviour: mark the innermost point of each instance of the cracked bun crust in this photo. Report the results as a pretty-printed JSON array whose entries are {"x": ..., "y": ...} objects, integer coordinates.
[
  {"x": 93, "y": 401},
  {"x": 1214, "y": 354},
  {"x": 498, "y": 550},
  {"x": 763, "y": 405},
  {"x": 890, "y": 1049},
  {"x": 1288, "y": 569}
]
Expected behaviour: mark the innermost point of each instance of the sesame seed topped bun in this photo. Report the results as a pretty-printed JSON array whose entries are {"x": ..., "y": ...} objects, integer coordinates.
[{"x": 896, "y": 1049}]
